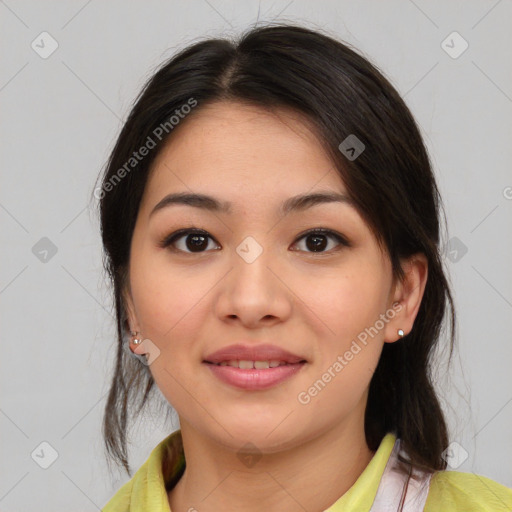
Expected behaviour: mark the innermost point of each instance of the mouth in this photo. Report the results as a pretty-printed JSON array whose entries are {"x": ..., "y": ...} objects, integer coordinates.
[{"x": 251, "y": 367}]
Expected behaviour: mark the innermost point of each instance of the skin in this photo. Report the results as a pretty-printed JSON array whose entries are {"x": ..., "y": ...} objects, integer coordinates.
[{"x": 314, "y": 304}]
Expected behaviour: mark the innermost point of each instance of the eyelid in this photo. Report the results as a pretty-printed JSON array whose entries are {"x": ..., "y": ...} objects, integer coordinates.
[
  {"x": 175, "y": 235},
  {"x": 327, "y": 232}
]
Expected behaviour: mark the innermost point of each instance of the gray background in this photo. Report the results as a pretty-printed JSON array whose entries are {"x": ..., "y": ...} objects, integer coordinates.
[{"x": 60, "y": 117}]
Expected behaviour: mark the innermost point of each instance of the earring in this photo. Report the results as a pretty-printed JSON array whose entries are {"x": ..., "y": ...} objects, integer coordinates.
[
  {"x": 135, "y": 340},
  {"x": 401, "y": 333}
]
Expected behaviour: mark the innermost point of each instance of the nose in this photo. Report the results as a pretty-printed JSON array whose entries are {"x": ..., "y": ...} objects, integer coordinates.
[{"x": 254, "y": 292}]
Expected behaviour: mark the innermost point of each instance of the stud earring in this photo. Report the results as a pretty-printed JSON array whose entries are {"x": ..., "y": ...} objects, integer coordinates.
[
  {"x": 135, "y": 339},
  {"x": 401, "y": 333}
]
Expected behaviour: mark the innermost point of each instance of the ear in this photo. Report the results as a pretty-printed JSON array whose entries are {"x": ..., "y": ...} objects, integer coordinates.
[
  {"x": 408, "y": 293},
  {"x": 131, "y": 317}
]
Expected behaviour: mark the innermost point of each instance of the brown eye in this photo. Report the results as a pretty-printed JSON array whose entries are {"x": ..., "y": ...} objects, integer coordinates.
[
  {"x": 317, "y": 240},
  {"x": 191, "y": 241}
]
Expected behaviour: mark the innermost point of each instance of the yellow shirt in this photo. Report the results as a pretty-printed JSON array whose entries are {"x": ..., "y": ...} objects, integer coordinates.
[{"x": 448, "y": 490}]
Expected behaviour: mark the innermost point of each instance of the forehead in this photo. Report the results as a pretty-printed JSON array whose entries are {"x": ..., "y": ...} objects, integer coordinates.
[{"x": 236, "y": 149}]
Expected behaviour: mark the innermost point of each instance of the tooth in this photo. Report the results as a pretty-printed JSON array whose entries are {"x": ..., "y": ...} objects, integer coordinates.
[
  {"x": 261, "y": 364},
  {"x": 246, "y": 365},
  {"x": 274, "y": 363},
  {"x": 223, "y": 363},
  {"x": 233, "y": 362}
]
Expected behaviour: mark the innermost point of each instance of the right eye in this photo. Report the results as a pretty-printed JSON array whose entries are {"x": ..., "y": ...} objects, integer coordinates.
[{"x": 191, "y": 241}]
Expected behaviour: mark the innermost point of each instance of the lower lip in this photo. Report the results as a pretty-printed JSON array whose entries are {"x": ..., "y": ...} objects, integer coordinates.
[{"x": 254, "y": 378}]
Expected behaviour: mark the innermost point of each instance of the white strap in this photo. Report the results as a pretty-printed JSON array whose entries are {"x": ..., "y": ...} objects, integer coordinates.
[{"x": 396, "y": 489}]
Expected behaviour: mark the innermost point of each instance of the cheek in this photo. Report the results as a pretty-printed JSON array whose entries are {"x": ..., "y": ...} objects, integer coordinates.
[
  {"x": 166, "y": 297},
  {"x": 347, "y": 305},
  {"x": 345, "y": 361},
  {"x": 347, "y": 301},
  {"x": 170, "y": 306}
]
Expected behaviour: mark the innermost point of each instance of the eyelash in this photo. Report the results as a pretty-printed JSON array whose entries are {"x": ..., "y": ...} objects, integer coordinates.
[{"x": 173, "y": 237}]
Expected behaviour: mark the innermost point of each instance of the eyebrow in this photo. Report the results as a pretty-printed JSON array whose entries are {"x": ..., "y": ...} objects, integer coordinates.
[{"x": 292, "y": 204}]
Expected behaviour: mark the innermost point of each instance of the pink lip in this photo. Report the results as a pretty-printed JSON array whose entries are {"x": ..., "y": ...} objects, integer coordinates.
[
  {"x": 253, "y": 378},
  {"x": 252, "y": 353}
]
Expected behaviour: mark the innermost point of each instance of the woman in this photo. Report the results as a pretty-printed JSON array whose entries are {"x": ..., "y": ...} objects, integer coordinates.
[{"x": 271, "y": 228}]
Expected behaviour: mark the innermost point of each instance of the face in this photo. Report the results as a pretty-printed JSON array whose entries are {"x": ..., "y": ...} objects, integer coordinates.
[{"x": 253, "y": 275}]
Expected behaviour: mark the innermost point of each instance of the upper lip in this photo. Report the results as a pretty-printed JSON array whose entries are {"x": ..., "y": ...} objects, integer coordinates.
[{"x": 253, "y": 353}]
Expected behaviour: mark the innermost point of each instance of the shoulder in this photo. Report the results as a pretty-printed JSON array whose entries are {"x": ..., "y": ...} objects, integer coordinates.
[
  {"x": 120, "y": 502},
  {"x": 455, "y": 490},
  {"x": 147, "y": 489}
]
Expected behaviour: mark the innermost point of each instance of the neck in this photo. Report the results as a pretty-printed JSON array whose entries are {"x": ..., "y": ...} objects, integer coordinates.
[{"x": 215, "y": 479}]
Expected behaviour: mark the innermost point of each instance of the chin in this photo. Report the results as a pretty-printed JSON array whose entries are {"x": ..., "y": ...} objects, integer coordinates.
[{"x": 262, "y": 434}]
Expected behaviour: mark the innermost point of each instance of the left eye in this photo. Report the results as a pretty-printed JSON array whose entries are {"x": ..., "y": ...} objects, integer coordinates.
[
  {"x": 317, "y": 239},
  {"x": 196, "y": 241}
]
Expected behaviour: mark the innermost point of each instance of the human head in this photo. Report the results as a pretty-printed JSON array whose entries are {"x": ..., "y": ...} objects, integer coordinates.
[{"x": 337, "y": 93}]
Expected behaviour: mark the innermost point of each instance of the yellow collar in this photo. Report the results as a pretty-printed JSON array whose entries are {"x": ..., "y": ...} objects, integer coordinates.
[{"x": 148, "y": 488}]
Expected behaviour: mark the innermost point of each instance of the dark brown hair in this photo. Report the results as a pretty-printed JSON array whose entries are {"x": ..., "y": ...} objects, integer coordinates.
[{"x": 341, "y": 94}]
